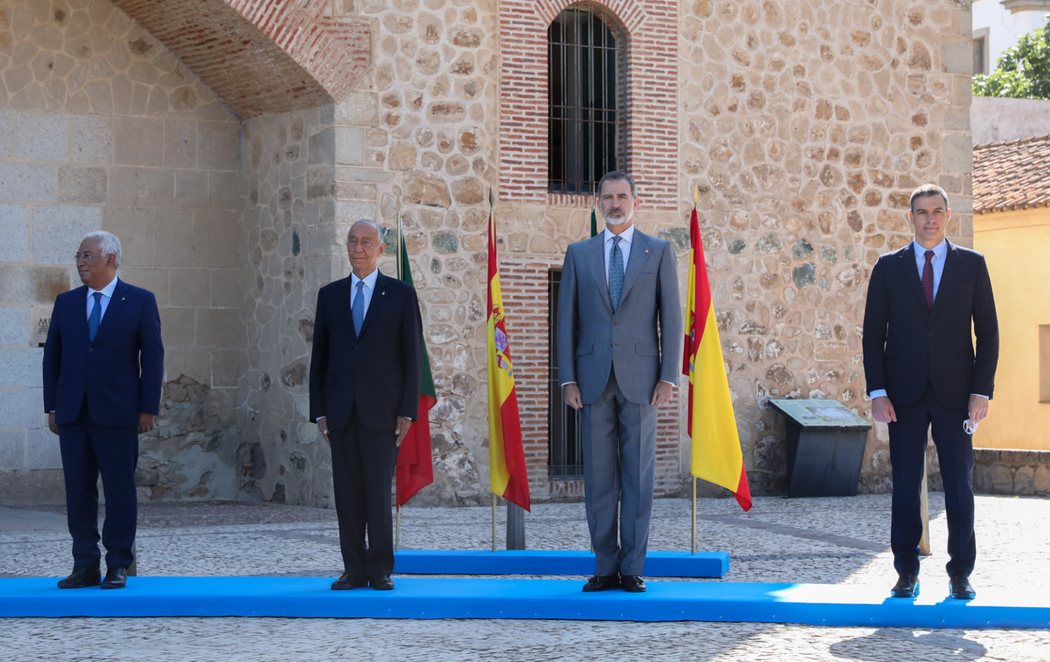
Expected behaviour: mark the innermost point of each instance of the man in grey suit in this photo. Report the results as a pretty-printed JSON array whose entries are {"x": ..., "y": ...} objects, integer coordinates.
[{"x": 619, "y": 344}]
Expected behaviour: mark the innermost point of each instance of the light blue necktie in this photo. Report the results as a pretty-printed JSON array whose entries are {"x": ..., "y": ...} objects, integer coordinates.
[
  {"x": 615, "y": 273},
  {"x": 95, "y": 318},
  {"x": 357, "y": 309}
]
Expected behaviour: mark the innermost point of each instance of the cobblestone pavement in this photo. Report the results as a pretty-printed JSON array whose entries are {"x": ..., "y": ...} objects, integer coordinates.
[{"x": 832, "y": 540}]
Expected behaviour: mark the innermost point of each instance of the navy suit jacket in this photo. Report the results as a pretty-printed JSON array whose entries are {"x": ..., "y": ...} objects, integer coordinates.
[
  {"x": 119, "y": 374},
  {"x": 907, "y": 345},
  {"x": 378, "y": 370}
]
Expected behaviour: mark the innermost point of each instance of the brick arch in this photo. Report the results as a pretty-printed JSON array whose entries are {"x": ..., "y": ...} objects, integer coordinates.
[
  {"x": 651, "y": 148},
  {"x": 261, "y": 56}
]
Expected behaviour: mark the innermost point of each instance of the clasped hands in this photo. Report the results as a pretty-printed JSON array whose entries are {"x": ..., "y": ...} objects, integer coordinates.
[{"x": 661, "y": 394}]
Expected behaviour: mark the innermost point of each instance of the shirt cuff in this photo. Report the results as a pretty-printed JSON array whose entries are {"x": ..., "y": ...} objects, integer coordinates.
[
  {"x": 981, "y": 395},
  {"x": 878, "y": 393}
]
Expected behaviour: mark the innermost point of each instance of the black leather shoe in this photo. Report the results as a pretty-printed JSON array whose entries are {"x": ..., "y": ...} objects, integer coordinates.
[
  {"x": 907, "y": 586},
  {"x": 381, "y": 583},
  {"x": 348, "y": 581},
  {"x": 115, "y": 578},
  {"x": 81, "y": 578},
  {"x": 961, "y": 589},
  {"x": 632, "y": 584},
  {"x": 601, "y": 583}
]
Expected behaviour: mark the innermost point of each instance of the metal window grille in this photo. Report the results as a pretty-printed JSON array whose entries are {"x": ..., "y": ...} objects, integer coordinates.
[
  {"x": 565, "y": 442},
  {"x": 583, "y": 122}
]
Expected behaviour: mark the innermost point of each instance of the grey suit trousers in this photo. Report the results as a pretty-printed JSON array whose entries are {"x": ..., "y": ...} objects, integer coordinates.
[{"x": 619, "y": 452}]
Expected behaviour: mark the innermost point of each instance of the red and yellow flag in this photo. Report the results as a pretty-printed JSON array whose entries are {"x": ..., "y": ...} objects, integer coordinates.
[
  {"x": 712, "y": 425},
  {"x": 507, "y": 475}
]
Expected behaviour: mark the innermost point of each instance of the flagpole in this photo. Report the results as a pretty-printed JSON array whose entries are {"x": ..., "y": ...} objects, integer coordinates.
[
  {"x": 692, "y": 478},
  {"x": 400, "y": 276},
  {"x": 493, "y": 521},
  {"x": 397, "y": 529},
  {"x": 693, "y": 481}
]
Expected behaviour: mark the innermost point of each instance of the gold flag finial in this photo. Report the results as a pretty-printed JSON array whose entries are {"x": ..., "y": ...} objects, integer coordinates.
[
  {"x": 696, "y": 194},
  {"x": 492, "y": 201}
]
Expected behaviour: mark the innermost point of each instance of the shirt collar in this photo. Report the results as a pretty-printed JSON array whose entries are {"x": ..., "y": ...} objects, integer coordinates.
[
  {"x": 106, "y": 291},
  {"x": 627, "y": 235},
  {"x": 369, "y": 280},
  {"x": 939, "y": 251}
]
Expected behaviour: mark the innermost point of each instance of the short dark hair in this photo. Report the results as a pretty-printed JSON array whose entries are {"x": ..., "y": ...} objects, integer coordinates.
[
  {"x": 617, "y": 176},
  {"x": 927, "y": 190}
]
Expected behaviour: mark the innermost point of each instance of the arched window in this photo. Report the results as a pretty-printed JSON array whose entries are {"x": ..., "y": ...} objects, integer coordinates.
[{"x": 583, "y": 118}]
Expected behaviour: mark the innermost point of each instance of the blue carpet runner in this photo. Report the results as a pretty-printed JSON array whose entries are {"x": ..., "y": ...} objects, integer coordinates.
[{"x": 551, "y": 562}]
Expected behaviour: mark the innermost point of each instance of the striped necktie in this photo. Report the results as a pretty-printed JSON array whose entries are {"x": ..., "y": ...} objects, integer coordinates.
[{"x": 615, "y": 273}]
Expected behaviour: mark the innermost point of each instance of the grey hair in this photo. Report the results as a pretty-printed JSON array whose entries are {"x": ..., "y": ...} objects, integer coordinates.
[
  {"x": 107, "y": 243},
  {"x": 380, "y": 232}
]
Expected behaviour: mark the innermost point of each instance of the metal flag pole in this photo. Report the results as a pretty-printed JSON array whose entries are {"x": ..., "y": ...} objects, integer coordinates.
[
  {"x": 692, "y": 478},
  {"x": 397, "y": 529},
  {"x": 400, "y": 276},
  {"x": 493, "y": 521}
]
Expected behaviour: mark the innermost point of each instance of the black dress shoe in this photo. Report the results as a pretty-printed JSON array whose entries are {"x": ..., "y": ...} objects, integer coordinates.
[
  {"x": 81, "y": 578},
  {"x": 348, "y": 581},
  {"x": 601, "y": 583},
  {"x": 961, "y": 589},
  {"x": 632, "y": 584},
  {"x": 907, "y": 586},
  {"x": 381, "y": 583},
  {"x": 115, "y": 578}
]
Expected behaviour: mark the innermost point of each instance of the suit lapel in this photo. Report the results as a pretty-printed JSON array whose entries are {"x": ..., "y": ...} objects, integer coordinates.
[
  {"x": 341, "y": 316},
  {"x": 79, "y": 309},
  {"x": 378, "y": 302},
  {"x": 641, "y": 251},
  {"x": 911, "y": 273},
  {"x": 949, "y": 275},
  {"x": 115, "y": 307},
  {"x": 594, "y": 252}
]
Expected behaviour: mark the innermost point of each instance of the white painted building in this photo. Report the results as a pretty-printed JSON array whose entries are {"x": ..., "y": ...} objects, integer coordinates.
[{"x": 998, "y": 24}]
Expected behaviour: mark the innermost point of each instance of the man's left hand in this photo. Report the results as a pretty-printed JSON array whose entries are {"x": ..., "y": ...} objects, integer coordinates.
[
  {"x": 147, "y": 422},
  {"x": 978, "y": 408},
  {"x": 662, "y": 393},
  {"x": 403, "y": 423}
]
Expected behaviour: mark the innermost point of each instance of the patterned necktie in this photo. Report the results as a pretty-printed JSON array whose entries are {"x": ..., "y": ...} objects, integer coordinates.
[
  {"x": 95, "y": 318},
  {"x": 927, "y": 279},
  {"x": 615, "y": 273},
  {"x": 358, "y": 307}
]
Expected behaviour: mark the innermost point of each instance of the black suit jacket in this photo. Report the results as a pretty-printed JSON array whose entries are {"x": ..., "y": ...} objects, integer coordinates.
[
  {"x": 907, "y": 345},
  {"x": 378, "y": 371},
  {"x": 119, "y": 374}
]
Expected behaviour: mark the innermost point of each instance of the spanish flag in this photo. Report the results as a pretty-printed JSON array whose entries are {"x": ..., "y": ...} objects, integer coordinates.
[
  {"x": 712, "y": 425},
  {"x": 507, "y": 475}
]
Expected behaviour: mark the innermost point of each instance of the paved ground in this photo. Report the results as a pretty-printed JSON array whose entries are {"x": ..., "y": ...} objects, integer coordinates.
[{"x": 833, "y": 540}]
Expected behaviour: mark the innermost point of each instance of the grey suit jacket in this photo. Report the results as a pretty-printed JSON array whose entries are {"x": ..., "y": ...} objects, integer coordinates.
[{"x": 641, "y": 342}]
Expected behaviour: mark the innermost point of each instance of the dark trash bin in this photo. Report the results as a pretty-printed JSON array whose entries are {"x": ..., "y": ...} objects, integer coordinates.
[{"x": 825, "y": 447}]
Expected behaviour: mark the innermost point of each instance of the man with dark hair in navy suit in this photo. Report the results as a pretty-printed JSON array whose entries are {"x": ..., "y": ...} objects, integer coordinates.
[
  {"x": 103, "y": 368},
  {"x": 926, "y": 303},
  {"x": 364, "y": 394}
]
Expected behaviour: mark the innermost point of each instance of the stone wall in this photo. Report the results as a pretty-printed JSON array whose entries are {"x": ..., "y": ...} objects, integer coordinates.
[{"x": 102, "y": 127}]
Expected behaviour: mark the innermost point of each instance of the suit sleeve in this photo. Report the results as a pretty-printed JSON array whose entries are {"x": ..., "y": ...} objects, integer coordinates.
[
  {"x": 318, "y": 360},
  {"x": 670, "y": 318},
  {"x": 52, "y": 361},
  {"x": 876, "y": 318},
  {"x": 986, "y": 330},
  {"x": 567, "y": 322},
  {"x": 412, "y": 351},
  {"x": 151, "y": 357}
]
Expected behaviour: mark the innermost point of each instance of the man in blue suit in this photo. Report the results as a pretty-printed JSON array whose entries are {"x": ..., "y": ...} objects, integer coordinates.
[
  {"x": 103, "y": 367},
  {"x": 926, "y": 302},
  {"x": 619, "y": 355},
  {"x": 364, "y": 394}
]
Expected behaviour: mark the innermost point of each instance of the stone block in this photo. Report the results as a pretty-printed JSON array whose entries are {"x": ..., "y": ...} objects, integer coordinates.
[
  {"x": 154, "y": 280},
  {"x": 42, "y": 449},
  {"x": 180, "y": 143},
  {"x": 219, "y": 328},
  {"x": 22, "y": 407},
  {"x": 193, "y": 363},
  {"x": 21, "y": 367},
  {"x": 225, "y": 288},
  {"x": 92, "y": 139},
  {"x": 178, "y": 327},
  {"x": 141, "y": 187},
  {"x": 22, "y": 181},
  {"x": 14, "y": 228},
  {"x": 957, "y": 55},
  {"x": 135, "y": 228},
  {"x": 358, "y": 109},
  {"x": 218, "y": 145},
  {"x": 350, "y": 146},
  {"x": 135, "y": 141},
  {"x": 7, "y": 133},
  {"x": 191, "y": 189},
  {"x": 58, "y": 230},
  {"x": 228, "y": 366},
  {"x": 20, "y": 285},
  {"x": 224, "y": 189},
  {"x": 42, "y": 136},
  {"x": 190, "y": 287},
  {"x": 218, "y": 241},
  {"x": 12, "y": 448},
  {"x": 175, "y": 233},
  {"x": 14, "y": 326},
  {"x": 81, "y": 184}
]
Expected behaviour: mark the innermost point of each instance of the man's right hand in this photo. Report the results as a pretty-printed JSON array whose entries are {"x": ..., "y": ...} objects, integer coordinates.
[
  {"x": 322, "y": 425},
  {"x": 882, "y": 410},
  {"x": 51, "y": 425},
  {"x": 573, "y": 397}
]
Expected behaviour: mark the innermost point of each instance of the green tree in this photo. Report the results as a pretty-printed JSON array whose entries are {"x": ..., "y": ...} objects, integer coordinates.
[{"x": 1023, "y": 72}]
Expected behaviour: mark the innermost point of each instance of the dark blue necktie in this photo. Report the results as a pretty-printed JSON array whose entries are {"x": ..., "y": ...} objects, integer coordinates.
[
  {"x": 95, "y": 318},
  {"x": 357, "y": 309},
  {"x": 615, "y": 273}
]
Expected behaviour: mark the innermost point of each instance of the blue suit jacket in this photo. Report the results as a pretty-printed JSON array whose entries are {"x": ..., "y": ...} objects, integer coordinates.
[
  {"x": 119, "y": 374},
  {"x": 907, "y": 345},
  {"x": 378, "y": 370}
]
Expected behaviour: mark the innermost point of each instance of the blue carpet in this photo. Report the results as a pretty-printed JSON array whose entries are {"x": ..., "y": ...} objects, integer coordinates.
[
  {"x": 551, "y": 562},
  {"x": 425, "y": 598}
]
